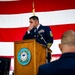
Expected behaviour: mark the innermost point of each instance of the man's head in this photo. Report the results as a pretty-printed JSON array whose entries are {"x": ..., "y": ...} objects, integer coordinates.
[
  {"x": 68, "y": 42},
  {"x": 34, "y": 20}
]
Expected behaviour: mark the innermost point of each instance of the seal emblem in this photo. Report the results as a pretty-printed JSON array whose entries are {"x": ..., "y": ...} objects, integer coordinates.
[{"x": 24, "y": 56}]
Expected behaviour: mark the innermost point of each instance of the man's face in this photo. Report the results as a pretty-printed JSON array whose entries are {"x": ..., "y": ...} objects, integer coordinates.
[{"x": 33, "y": 22}]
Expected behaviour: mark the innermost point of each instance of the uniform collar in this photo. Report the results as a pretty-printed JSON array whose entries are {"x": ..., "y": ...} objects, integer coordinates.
[
  {"x": 68, "y": 55},
  {"x": 38, "y": 26}
]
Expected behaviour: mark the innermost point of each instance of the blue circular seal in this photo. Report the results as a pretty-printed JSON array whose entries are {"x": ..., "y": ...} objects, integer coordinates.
[{"x": 24, "y": 56}]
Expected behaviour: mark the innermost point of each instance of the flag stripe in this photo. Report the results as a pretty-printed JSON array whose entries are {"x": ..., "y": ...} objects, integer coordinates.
[
  {"x": 7, "y": 48},
  {"x": 7, "y": 0},
  {"x": 45, "y": 18},
  {"x": 53, "y": 55},
  {"x": 22, "y": 6},
  {"x": 16, "y": 34}
]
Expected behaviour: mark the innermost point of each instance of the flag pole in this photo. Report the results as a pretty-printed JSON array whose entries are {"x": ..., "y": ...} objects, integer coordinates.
[{"x": 33, "y": 11}]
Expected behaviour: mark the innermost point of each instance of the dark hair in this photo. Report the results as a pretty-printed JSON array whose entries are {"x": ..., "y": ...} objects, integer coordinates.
[{"x": 34, "y": 18}]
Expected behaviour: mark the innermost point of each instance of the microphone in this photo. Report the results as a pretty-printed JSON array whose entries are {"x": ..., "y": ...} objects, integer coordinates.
[
  {"x": 42, "y": 38},
  {"x": 48, "y": 53},
  {"x": 44, "y": 41}
]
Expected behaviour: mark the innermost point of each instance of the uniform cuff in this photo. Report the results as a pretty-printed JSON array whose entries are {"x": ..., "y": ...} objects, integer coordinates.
[{"x": 28, "y": 32}]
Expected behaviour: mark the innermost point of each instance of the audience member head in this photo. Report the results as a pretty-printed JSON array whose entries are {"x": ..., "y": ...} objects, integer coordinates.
[{"x": 68, "y": 42}]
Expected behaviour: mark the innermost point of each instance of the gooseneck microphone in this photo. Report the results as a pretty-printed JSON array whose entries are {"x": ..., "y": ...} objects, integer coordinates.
[
  {"x": 41, "y": 37},
  {"x": 48, "y": 53}
]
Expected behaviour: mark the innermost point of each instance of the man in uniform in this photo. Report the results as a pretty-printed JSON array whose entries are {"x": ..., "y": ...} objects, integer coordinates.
[{"x": 42, "y": 34}]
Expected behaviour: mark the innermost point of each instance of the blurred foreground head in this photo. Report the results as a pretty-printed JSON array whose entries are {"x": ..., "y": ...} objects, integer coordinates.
[{"x": 68, "y": 42}]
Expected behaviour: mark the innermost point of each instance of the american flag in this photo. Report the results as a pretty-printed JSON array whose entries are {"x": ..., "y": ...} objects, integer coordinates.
[{"x": 14, "y": 21}]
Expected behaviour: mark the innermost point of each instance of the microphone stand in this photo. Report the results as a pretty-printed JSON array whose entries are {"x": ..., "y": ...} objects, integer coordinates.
[{"x": 48, "y": 54}]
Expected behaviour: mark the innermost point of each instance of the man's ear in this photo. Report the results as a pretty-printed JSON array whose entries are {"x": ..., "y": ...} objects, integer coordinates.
[
  {"x": 36, "y": 21},
  {"x": 60, "y": 46}
]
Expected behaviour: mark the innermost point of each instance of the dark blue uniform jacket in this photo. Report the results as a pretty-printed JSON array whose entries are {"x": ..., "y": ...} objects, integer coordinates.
[
  {"x": 45, "y": 31},
  {"x": 63, "y": 66}
]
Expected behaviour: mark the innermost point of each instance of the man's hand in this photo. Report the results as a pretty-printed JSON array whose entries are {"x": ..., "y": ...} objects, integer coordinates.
[{"x": 30, "y": 27}]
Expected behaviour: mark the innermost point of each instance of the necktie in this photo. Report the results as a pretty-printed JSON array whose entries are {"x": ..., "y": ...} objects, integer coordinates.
[
  {"x": 35, "y": 32},
  {"x": 35, "y": 29}
]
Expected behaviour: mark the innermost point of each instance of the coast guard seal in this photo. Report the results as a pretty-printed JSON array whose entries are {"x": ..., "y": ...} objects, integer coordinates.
[{"x": 24, "y": 56}]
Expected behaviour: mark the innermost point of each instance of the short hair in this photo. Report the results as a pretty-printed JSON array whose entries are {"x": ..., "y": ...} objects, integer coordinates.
[
  {"x": 34, "y": 18},
  {"x": 68, "y": 38}
]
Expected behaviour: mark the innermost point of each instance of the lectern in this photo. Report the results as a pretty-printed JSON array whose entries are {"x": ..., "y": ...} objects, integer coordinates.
[{"x": 28, "y": 55}]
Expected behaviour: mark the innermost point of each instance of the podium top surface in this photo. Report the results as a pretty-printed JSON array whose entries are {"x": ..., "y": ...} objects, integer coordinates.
[
  {"x": 27, "y": 40},
  {"x": 30, "y": 40}
]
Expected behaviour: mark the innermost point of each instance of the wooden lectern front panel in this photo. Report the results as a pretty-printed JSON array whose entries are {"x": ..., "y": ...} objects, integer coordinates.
[{"x": 38, "y": 57}]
